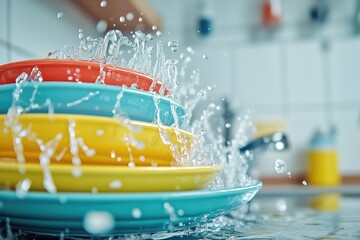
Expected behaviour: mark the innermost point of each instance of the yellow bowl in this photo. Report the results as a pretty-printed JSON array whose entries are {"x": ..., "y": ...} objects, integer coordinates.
[
  {"x": 95, "y": 140},
  {"x": 108, "y": 178}
]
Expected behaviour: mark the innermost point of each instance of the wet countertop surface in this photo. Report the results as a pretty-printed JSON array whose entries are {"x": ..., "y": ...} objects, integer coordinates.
[{"x": 281, "y": 212}]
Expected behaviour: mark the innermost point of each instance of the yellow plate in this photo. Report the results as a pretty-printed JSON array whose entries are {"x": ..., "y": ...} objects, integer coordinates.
[
  {"x": 109, "y": 178},
  {"x": 113, "y": 143}
]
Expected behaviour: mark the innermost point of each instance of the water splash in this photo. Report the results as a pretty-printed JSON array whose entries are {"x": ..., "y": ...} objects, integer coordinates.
[
  {"x": 85, "y": 98},
  {"x": 173, "y": 45},
  {"x": 74, "y": 149},
  {"x": 179, "y": 82},
  {"x": 141, "y": 60},
  {"x": 47, "y": 152},
  {"x": 22, "y": 187},
  {"x": 12, "y": 120},
  {"x": 280, "y": 166}
]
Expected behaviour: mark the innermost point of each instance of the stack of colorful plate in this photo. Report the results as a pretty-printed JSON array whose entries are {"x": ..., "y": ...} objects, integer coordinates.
[{"x": 70, "y": 134}]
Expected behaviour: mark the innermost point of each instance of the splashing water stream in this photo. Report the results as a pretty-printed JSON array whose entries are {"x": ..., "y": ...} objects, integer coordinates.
[{"x": 208, "y": 147}]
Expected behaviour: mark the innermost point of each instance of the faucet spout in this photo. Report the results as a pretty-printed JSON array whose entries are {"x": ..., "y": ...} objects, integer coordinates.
[{"x": 277, "y": 141}]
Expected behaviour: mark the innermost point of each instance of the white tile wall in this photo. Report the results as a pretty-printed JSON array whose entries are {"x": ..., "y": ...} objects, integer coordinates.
[
  {"x": 256, "y": 79},
  {"x": 3, "y": 54},
  {"x": 348, "y": 127},
  {"x": 36, "y": 28},
  {"x": 304, "y": 73},
  {"x": 3, "y": 21},
  {"x": 345, "y": 70},
  {"x": 170, "y": 11},
  {"x": 296, "y": 11},
  {"x": 212, "y": 73},
  {"x": 18, "y": 56}
]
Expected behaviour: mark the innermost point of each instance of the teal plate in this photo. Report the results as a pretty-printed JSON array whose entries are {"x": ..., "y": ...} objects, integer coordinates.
[
  {"x": 44, "y": 213},
  {"x": 93, "y": 99}
]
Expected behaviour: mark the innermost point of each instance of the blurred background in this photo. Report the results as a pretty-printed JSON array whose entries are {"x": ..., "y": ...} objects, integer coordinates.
[{"x": 294, "y": 64}]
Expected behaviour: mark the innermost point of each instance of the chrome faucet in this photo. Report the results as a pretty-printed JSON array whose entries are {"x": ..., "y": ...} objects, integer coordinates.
[{"x": 277, "y": 141}]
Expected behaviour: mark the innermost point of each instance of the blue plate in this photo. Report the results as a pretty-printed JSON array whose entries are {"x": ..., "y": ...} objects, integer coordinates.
[
  {"x": 69, "y": 213},
  {"x": 93, "y": 99}
]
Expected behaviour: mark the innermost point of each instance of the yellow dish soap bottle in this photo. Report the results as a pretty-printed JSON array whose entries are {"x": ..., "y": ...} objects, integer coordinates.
[{"x": 322, "y": 159}]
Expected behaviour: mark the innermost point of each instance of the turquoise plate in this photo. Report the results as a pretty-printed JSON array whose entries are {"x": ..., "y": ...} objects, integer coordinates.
[
  {"x": 69, "y": 213},
  {"x": 93, "y": 99}
]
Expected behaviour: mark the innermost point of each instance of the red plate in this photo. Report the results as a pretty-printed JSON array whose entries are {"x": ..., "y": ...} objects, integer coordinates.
[{"x": 76, "y": 70}]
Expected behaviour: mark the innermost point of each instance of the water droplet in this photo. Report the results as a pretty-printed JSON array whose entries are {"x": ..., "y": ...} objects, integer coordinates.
[
  {"x": 94, "y": 190},
  {"x": 77, "y": 172},
  {"x": 281, "y": 205},
  {"x": 103, "y": 3},
  {"x": 101, "y": 26},
  {"x": 99, "y": 132},
  {"x": 149, "y": 37},
  {"x": 131, "y": 164},
  {"x": 190, "y": 50},
  {"x": 141, "y": 19},
  {"x": 98, "y": 222},
  {"x": 158, "y": 33},
  {"x": 154, "y": 27},
  {"x": 280, "y": 166},
  {"x": 63, "y": 199},
  {"x": 22, "y": 187},
  {"x": 122, "y": 19},
  {"x": 170, "y": 210},
  {"x": 279, "y": 146},
  {"x": 228, "y": 125},
  {"x": 129, "y": 16},
  {"x": 136, "y": 213},
  {"x": 60, "y": 15},
  {"x": 142, "y": 158},
  {"x": 205, "y": 56},
  {"x": 112, "y": 154},
  {"x": 173, "y": 45},
  {"x": 116, "y": 184},
  {"x": 180, "y": 212},
  {"x": 81, "y": 36},
  {"x": 304, "y": 183}
]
